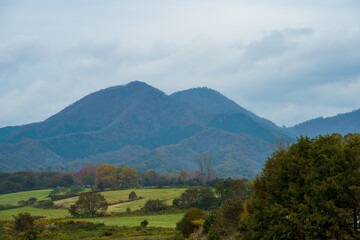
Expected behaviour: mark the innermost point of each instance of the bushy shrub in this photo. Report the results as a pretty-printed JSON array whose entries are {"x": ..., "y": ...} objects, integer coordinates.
[
  {"x": 210, "y": 220},
  {"x": 31, "y": 201},
  {"x": 46, "y": 204},
  {"x": 185, "y": 225},
  {"x": 155, "y": 205},
  {"x": 203, "y": 198},
  {"x": 6, "y": 206},
  {"x": 57, "y": 194},
  {"x": 132, "y": 196},
  {"x": 144, "y": 223},
  {"x": 23, "y": 221}
]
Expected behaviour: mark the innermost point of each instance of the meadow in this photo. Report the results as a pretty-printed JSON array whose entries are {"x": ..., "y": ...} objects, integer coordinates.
[
  {"x": 122, "y": 195},
  {"x": 13, "y": 198},
  {"x": 163, "y": 220},
  {"x": 48, "y": 213}
]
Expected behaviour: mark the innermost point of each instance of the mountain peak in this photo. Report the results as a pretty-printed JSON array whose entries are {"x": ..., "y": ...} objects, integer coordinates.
[
  {"x": 208, "y": 99},
  {"x": 137, "y": 83}
]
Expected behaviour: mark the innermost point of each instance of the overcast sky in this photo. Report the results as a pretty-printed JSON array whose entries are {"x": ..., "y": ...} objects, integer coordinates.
[{"x": 287, "y": 61}]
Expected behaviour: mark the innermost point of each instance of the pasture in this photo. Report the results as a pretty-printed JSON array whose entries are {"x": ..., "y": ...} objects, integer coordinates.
[
  {"x": 161, "y": 220},
  {"x": 122, "y": 195},
  {"x": 49, "y": 213},
  {"x": 13, "y": 198}
]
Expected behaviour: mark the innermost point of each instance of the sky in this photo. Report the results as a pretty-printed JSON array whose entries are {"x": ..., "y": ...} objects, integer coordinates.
[{"x": 287, "y": 61}]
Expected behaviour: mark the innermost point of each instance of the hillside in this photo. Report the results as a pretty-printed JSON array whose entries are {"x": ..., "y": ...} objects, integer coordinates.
[
  {"x": 139, "y": 125},
  {"x": 342, "y": 123},
  {"x": 209, "y": 100}
]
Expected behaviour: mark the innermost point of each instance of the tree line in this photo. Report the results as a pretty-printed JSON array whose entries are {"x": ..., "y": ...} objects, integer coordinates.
[
  {"x": 103, "y": 176},
  {"x": 309, "y": 190}
]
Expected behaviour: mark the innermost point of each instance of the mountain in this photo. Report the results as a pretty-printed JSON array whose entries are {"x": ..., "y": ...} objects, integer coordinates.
[
  {"x": 209, "y": 100},
  {"x": 138, "y": 125},
  {"x": 342, "y": 123}
]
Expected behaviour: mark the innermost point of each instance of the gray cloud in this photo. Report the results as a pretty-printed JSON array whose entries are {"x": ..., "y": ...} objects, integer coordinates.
[{"x": 284, "y": 62}]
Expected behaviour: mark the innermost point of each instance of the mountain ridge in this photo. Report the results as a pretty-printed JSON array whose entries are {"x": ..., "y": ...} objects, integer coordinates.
[
  {"x": 141, "y": 126},
  {"x": 342, "y": 123}
]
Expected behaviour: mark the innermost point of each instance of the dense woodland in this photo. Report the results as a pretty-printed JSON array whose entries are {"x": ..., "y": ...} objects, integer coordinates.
[
  {"x": 102, "y": 176},
  {"x": 309, "y": 190}
]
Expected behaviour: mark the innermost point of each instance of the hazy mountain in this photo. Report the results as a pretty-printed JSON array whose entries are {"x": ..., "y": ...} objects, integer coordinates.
[
  {"x": 138, "y": 125},
  {"x": 209, "y": 100},
  {"x": 233, "y": 154},
  {"x": 341, "y": 123}
]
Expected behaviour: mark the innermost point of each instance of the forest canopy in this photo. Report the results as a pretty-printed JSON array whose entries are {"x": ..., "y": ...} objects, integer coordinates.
[{"x": 310, "y": 191}]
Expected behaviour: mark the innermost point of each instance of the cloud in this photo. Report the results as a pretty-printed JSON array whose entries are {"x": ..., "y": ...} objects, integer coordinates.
[{"x": 282, "y": 61}]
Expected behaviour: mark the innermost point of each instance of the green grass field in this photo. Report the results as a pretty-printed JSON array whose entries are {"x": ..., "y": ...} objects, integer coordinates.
[
  {"x": 13, "y": 198},
  {"x": 166, "y": 220},
  {"x": 49, "y": 213},
  {"x": 122, "y": 195},
  {"x": 163, "y": 220}
]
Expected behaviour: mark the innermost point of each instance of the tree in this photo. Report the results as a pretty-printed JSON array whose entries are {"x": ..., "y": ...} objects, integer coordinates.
[
  {"x": 151, "y": 178},
  {"x": 86, "y": 175},
  {"x": 203, "y": 198},
  {"x": 155, "y": 205},
  {"x": 127, "y": 177},
  {"x": 309, "y": 191},
  {"x": 233, "y": 188},
  {"x": 183, "y": 177},
  {"x": 23, "y": 221},
  {"x": 205, "y": 164},
  {"x": 88, "y": 180},
  {"x": 144, "y": 223},
  {"x": 132, "y": 196},
  {"x": 106, "y": 174},
  {"x": 89, "y": 204},
  {"x": 281, "y": 144},
  {"x": 185, "y": 225}
]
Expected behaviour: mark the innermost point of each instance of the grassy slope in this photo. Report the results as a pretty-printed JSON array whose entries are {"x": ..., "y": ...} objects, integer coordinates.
[
  {"x": 166, "y": 220},
  {"x": 49, "y": 213},
  {"x": 122, "y": 195},
  {"x": 163, "y": 220},
  {"x": 13, "y": 198}
]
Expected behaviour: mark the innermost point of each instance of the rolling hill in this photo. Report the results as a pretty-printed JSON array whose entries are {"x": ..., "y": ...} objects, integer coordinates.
[
  {"x": 342, "y": 123},
  {"x": 140, "y": 126}
]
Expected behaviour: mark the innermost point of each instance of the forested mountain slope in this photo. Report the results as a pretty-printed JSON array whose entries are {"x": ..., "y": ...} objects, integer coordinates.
[
  {"x": 341, "y": 123},
  {"x": 139, "y": 125}
]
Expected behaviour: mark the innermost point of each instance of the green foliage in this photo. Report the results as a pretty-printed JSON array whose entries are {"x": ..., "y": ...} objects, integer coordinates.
[
  {"x": 132, "y": 196},
  {"x": 185, "y": 225},
  {"x": 203, "y": 198},
  {"x": 46, "y": 204},
  {"x": 88, "y": 180},
  {"x": 310, "y": 191},
  {"x": 209, "y": 221},
  {"x": 58, "y": 194},
  {"x": 25, "y": 181},
  {"x": 62, "y": 180},
  {"x": 233, "y": 188},
  {"x": 154, "y": 205},
  {"x": 144, "y": 223},
  {"x": 23, "y": 221},
  {"x": 213, "y": 234},
  {"x": 127, "y": 177},
  {"x": 89, "y": 204},
  {"x": 231, "y": 211}
]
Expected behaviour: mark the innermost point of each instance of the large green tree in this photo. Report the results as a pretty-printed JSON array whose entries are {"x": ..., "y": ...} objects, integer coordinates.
[
  {"x": 89, "y": 204},
  {"x": 309, "y": 191}
]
